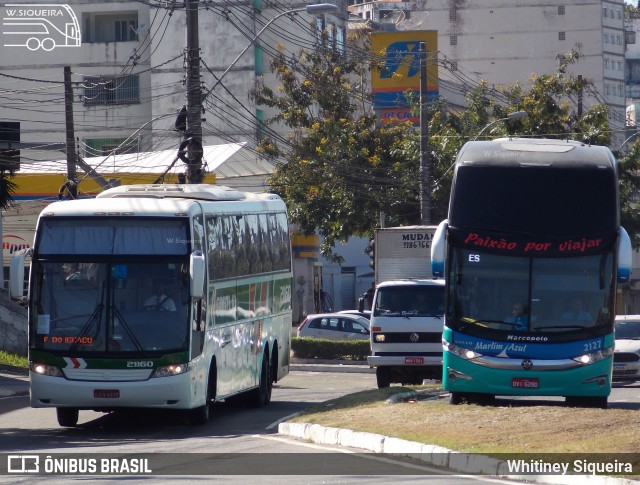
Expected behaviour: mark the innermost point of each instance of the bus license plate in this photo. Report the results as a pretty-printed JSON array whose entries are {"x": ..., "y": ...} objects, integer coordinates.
[
  {"x": 106, "y": 393},
  {"x": 414, "y": 360},
  {"x": 525, "y": 383},
  {"x": 619, "y": 366}
]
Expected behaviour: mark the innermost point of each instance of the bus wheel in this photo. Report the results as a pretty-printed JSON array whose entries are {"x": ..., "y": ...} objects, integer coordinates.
[
  {"x": 456, "y": 398},
  {"x": 67, "y": 417},
  {"x": 33, "y": 44},
  {"x": 262, "y": 395},
  {"x": 383, "y": 377},
  {"x": 201, "y": 414}
]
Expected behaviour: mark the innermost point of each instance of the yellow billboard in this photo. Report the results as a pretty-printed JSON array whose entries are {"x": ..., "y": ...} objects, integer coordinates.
[{"x": 398, "y": 55}]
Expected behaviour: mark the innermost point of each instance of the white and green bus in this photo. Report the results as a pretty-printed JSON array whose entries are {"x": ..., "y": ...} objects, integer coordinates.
[{"x": 158, "y": 296}]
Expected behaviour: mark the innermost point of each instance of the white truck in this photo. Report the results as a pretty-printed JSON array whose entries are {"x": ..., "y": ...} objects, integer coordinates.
[{"x": 407, "y": 309}]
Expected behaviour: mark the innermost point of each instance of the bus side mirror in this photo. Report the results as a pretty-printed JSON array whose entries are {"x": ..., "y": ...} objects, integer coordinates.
[
  {"x": 625, "y": 253},
  {"x": 438, "y": 248},
  {"x": 197, "y": 272},
  {"x": 16, "y": 273}
]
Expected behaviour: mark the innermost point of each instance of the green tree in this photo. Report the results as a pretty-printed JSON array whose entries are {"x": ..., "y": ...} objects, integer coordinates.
[{"x": 343, "y": 167}]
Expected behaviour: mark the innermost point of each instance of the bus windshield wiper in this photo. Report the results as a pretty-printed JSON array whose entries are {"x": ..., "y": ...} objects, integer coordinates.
[
  {"x": 127, "y": 329},
  {"x": 87, "y": 327}
]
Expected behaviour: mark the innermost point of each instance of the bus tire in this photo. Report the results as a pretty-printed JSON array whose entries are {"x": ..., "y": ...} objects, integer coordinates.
[
  {"x": 67, "y": 417},
  {"x": 456, "y": 398},
  {"x": 261, "y": 396},
  {"x": 201, "y": 414},
  {"x": 383, "y": 377}
]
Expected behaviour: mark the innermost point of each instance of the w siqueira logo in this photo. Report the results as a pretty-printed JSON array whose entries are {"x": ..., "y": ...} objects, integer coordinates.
[{"x": 40, "y": 26}]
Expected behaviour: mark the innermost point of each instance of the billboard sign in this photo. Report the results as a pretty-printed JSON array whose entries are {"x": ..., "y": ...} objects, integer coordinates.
[{"x": 399, "y": 71}]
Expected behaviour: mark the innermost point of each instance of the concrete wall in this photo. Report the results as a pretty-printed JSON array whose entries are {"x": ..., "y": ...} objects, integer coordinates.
[{"x": 13, "y": 326}]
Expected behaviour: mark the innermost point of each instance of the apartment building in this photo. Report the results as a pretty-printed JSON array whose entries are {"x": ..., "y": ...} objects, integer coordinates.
[
  {"x": 128, "y": 62},
  {"x": 504, "y": 42}
]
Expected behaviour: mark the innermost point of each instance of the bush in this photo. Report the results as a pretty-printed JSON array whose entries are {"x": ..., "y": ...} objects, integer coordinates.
[{"x": 314, "y": 348}]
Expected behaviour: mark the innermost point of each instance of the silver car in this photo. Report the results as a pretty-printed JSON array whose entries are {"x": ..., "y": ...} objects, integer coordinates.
[
  {"x": 335, "y": 326},
  {"x": 626, "y": 358}
]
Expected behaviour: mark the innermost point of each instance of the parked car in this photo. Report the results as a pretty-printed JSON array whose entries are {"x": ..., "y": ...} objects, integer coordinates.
[
  {"x": 626, "y": 358},
  {"x": 335, "y": 326},
  {"x": 364, "y": 313}
]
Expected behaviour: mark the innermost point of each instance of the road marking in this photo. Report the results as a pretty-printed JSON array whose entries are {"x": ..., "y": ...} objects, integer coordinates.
[
  {"x": 276, "y": 423},
  {"x": 374, "y": 456}
]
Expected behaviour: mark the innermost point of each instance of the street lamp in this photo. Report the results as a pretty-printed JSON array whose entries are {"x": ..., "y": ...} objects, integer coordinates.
[
  {"x": 314, "y": 9},
  {"x": 516, "y": 115},
  {"x": 627, "y": 141}
]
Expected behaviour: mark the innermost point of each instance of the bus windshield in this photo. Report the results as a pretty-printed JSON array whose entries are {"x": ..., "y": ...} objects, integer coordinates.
[
  {"x": 524, "y": 294},
  {"x": 90, "y": 307}
]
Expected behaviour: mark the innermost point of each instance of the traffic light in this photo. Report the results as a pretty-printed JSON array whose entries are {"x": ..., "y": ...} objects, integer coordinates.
[{"x": 370, "y": 251}]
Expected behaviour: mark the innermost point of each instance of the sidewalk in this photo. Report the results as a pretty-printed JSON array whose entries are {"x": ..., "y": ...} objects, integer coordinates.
[{"x": 15, "y": 381}]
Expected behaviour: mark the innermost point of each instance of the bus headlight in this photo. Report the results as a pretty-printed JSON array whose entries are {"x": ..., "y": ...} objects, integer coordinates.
[
  {"x": 466, "y": 354},
  {"x": 379, "y": 337},
  {"x": 594, "y": 356},
  {"x": 171, "y": 370},
  {"x": 45, "y": 370}
]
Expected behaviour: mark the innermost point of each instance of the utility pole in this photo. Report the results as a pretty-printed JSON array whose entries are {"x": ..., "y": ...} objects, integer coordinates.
[
  {"x": 193, "y": 134},
  {"x": 72, "y": 182},
  {"x": 425, "y": 189}
]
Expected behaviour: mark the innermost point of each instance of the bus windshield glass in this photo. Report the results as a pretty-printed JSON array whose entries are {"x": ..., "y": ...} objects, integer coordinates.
[
  {"x": 410, "y": 300},
  {"x": 524, "y": 294},
  {"x": 117, "y": 306}
]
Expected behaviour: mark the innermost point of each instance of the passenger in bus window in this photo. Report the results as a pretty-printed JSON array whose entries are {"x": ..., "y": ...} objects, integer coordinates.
[
  {"x": 519, "y": 316},
  {"x": 160, "y": 300},
  {"x": 576, "y": 312}
]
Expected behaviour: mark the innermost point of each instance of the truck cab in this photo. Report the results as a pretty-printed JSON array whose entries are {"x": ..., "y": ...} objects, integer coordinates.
[{"x": 406, "y": 331}]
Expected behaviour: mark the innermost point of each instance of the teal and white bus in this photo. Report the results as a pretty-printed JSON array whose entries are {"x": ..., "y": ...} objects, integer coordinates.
[
  {"x": 219, "y": 264},
  {"x": 532, "y": 252}
]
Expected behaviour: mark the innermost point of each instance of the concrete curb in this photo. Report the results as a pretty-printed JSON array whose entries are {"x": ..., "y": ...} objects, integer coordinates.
[{"x": 432, "y": 454}]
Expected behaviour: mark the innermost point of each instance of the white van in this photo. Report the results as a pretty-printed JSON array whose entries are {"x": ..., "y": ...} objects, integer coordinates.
[{"x": 406, "y": 331}]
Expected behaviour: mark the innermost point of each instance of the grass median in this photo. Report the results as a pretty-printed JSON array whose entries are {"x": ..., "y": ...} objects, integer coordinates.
[{"x": 507, "y": 427}]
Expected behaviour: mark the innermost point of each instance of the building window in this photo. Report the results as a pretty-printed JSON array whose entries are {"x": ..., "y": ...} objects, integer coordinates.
[
  {"x": 453, "y": 15},
  {"x": 98, "y": 147},
  {"x": 99, "y": 90},
  {"x": 453, "y": 40},
  {"x": 454, "y": 65},
  {"x": 606, "y": 63},
  {"x": 561, "y": 36},
  {"x": 117, "y": 27},
  {"x": 604, "y": 11},
  {"x": 560, "y": 9}
]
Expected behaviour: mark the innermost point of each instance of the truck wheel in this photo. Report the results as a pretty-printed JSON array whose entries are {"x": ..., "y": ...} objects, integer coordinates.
[{"x": 383, "y": 376}]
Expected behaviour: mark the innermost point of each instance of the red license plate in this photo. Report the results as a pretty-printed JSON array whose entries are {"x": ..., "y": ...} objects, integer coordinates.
[
  {"x": 414, "y": 360},
  {"x": 106, "y": 393},
  {"x": 525, "y": 383}
]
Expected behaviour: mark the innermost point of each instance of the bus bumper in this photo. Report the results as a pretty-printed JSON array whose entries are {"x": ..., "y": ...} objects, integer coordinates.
[
  {"x": 402, "y": 361},
  {"x": 460, "y": 375},
  {"x": 172, "y": 392}
]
